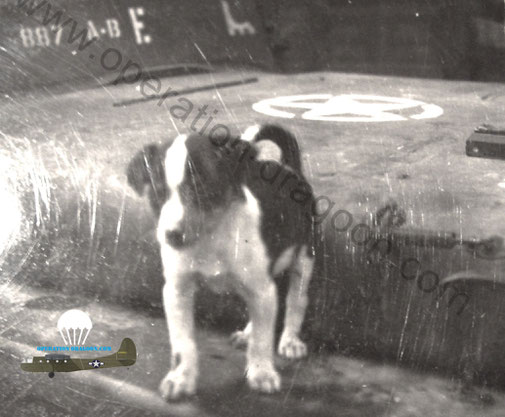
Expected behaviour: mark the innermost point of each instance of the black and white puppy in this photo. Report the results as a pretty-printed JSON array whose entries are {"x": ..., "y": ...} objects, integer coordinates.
[{"x": 224, "y": 214}]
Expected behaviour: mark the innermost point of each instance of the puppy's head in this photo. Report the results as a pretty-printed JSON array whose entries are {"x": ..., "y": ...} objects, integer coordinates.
[{"x": 191, "y": 183}]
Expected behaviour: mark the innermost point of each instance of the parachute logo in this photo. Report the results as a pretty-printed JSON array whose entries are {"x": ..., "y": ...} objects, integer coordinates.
[{"x": 72, "y": 324}]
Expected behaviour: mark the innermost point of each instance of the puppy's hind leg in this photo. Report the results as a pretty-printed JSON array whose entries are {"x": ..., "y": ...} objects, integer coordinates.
[{"x": 290, "y": 345}]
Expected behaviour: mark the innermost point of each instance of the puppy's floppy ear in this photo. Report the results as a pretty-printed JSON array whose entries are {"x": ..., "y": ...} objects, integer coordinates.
[{"x": 145, "y": 168}]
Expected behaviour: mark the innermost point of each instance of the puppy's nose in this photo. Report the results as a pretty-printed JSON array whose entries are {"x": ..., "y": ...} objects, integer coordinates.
[{"x": 175, "y": 238}]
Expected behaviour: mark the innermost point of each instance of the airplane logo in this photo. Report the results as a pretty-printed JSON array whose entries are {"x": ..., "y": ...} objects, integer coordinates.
[
  {"x": 96, "y": 363},
  {"x": 57, "y": 362}
]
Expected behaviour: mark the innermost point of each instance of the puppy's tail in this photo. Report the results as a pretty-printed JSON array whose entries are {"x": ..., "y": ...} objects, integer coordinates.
[{"x": 282, "y": 138}]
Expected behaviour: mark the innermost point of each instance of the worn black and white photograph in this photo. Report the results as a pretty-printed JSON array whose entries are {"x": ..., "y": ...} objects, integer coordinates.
[{"x": 252, "y": 208}]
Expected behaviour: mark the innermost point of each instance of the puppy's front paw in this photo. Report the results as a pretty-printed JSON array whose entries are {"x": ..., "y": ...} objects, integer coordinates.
[
  {"x": 264, "y": 379},
  {"x": 290, "y": 346},
  {"x": 176, "y": 384},
  {"x": 239, "y": 339}
]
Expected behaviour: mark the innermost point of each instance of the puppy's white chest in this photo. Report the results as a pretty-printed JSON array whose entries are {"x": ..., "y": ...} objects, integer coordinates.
[
  {"x": 231, "y": 251},
  {"x": 232, "y": 246}
]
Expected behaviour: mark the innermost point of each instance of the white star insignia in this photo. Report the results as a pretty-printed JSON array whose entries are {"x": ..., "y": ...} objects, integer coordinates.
[{"x": 95, "y": 364}]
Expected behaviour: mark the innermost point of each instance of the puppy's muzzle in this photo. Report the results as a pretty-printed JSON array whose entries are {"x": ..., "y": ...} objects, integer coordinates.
[{"x": 175, "y": 238}]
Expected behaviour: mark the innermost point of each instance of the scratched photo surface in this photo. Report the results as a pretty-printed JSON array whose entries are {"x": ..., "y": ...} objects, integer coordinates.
[{"x": 252, "y": 208}]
